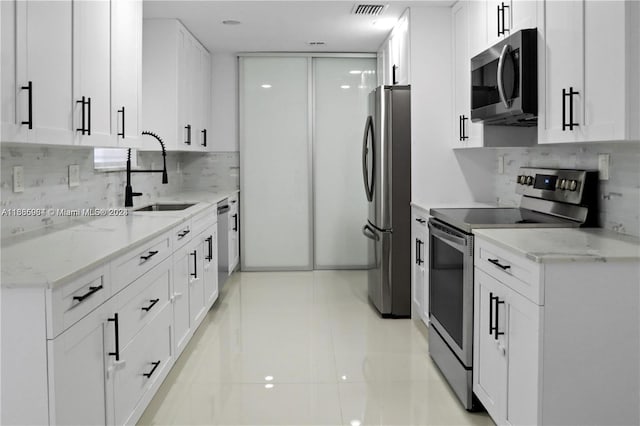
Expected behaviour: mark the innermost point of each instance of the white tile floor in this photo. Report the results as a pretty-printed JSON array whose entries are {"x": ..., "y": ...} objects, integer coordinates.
[{"x": 303, "y": 348}]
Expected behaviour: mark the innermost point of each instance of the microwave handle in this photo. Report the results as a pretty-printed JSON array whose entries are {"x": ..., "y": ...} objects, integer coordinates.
[{"x": 503, "y": 54}]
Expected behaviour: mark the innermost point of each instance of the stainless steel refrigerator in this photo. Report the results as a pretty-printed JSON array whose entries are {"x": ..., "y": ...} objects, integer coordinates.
[{"x": 386, "y": 169}]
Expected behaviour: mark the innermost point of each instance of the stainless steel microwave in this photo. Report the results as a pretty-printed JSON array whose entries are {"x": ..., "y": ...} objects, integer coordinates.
[{"x": 504, "y": 81}]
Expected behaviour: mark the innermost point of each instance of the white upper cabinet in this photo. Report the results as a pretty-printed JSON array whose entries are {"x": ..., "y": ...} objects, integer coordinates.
[
  {"x": 36, "y": 71},
  {"x": 588, "y": 68},
  {"x": 465, "y": 133},
  {"x": 67, "y": 68},
  {"x": 92, "y": 73},
  {"x": 394, "y": 54},
  {"x": 175, "y": 68},
  {"x": 126, "y": 71}
]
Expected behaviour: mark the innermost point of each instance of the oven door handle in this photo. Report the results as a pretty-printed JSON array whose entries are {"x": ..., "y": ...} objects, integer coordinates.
[{"x": 436, "y": 232}]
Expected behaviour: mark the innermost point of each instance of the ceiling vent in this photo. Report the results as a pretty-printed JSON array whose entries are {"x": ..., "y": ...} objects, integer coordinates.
[
  {"x": 316, "y": 43},
  {"x": 368, "y": 9}
]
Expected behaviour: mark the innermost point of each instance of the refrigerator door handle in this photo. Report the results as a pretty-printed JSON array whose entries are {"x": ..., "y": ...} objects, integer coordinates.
[
  {"x": 368, "y": 232},
  {"x": 368, "y": 130}
]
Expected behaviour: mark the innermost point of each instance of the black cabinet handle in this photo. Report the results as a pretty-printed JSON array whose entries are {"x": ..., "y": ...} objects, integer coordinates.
[
  {"x": 29, "y": 121},
  {"x": 204, "y": 137},
  {"x": 497, "y": 333},
  {"x": 499, "y": 265},
  {"x": 82, "y": 128},
  {"x": 498, "y": 21},
  {"x": 195, "y": 264},
  {"x": 183, "y": 234},
  {"x": 501, "y": 9},
  {"x": 89, "y": 116},
  {"x": 121, "y": 134},
  {"x": 153, "y": 303},
  {"x": 394, "y": 68},
  {"x": 422, "y": 221},
  {"x": 210, "y": 241},
  {"x": 420, "y": 253},
  {"x": 149, "y": 256},
  {"x": 188, "y": 127},
  {"x": 117, "y": 332},
  {"x": 491, "y": 298},
  {"x": 463, "y": 134},
  {"x": 153, "y": 370},
  {"x": 86, "y": 116},
  {"x": 235, "y": 222},
  {"x": 92, "y": 289},
  {"x": 417, "y": 252},
  {"x": 568, "y": 94}
]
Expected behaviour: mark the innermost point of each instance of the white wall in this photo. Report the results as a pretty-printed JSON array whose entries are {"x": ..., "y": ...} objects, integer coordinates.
[
  {"x": 440, "y": 175},
  {"x": 224, "y": 107}
]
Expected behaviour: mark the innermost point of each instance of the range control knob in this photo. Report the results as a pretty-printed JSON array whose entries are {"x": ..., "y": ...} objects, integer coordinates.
[
  {"x": 529, "y": 180},
  {"x": 522, "y": 179},
  {"x": 573, "y": 185},
  {"x": 563, "y": 184}
]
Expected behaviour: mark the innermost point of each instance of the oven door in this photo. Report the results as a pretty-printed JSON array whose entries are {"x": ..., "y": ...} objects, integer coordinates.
[{"x": 451, "y": 287}]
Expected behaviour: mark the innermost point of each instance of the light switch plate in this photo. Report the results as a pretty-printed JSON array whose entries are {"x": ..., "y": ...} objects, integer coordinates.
[
  {"x": 18, "y": 179},
  {"x": 74, "y": 175},
  {"x": 603, "y": 166}
]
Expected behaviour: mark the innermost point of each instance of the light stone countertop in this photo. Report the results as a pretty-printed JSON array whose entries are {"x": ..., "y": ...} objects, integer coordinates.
[
  {"x": 424, "y": 209},
  {"x": 553, "y": 245},
  {"x": 54, "y": 256}
]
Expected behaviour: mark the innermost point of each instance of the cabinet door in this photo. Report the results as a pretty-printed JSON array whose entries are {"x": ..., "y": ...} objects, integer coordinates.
[
  {"x": 478, "y": 40},
  {"x": 524, "y": 14},
  {"x": 498, "y": 14},
  {"x": 185, "y": 126},
  {"x": 418, "y": 272},
  {"x": 466, "y": 134},
  {"x": 562, "y": 65},
  {"x": 43, "y": 32},
  {"x": 126, "y": 70},
  {"x": 196, "y": 284},
  {"x": 490, "y": 364},
  {"x": 12, "y": 129},
  {"x": 523, "y": 319},
  {"x": 92, "y": 73},
  {"x": 77, "y": 363},
  {"x": 180, "y": 299},
  {"x": 205, "y": 97},
  {"x": 234, "y": 240},
  {"x": 210, "y": 267}
]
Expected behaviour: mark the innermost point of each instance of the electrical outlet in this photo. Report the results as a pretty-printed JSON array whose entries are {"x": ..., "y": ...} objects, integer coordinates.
[
  {"x": 18, "y": 179},
  {"x": 603, "y": 166},
  {"x": 74, "y": 175},
  {"x": 501, "y": 164}
]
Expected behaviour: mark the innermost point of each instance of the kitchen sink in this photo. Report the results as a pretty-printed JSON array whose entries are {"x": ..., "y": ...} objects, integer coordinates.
[{"x": 159, "y": 207}]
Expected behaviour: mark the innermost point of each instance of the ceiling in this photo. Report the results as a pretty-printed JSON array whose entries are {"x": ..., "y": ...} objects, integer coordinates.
[{"x": 283, "y": 26}]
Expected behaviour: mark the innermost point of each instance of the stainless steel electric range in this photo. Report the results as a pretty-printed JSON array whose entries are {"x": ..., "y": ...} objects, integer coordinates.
[{"x": 550, "y": 198}]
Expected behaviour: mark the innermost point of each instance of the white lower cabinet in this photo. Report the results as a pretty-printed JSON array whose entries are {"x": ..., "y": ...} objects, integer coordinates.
[
  {"x": 77, "y": 362},
  {"x": 234, "y": 233},
  {"x": 544, "y": 350},
  {"x": 210, "y": 264},
  {"x": 420, "y": 270}
]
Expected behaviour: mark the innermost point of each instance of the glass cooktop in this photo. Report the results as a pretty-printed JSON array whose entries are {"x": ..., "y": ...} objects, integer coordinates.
[{"x": 468, "y": 219}]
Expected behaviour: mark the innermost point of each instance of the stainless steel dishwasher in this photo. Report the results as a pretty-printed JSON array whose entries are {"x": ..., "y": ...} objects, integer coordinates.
[{"x": 223, "y": 242}]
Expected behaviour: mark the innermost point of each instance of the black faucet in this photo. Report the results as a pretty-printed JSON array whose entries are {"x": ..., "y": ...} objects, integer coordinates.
[{"x": 128, "y": 191}]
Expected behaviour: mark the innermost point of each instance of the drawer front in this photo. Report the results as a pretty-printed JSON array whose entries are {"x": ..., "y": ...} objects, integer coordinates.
[
  {"x": 204, "y": 220},
  {"x": 143, "y": 365},
  {"x": 141, "y": 301},
  {"x": 182, "y": 234},
  {"x": 73, "y": 301},
  {"x": 132, "y": 265},
  {"x": 513, "y": 270}
]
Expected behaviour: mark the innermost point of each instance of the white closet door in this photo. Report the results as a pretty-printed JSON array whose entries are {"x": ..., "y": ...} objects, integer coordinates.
[
  {"x": 275, "y": 163},
  {"x": 341, "y": 88}
]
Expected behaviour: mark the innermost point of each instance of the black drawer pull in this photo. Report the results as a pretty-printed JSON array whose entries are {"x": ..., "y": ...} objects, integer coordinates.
[
  {"x": 149, "y": 256},
  {"x": 92, "y": 289},
  {"x": 235, "y": 222},
  {"x": 153, "y": 303},
  {"x": 183, "y": 233},
  {"x": 117, "y": 331},
  {"x": 153, "y": 370},
  {"x": 195, "y": 264},
  {"x": 499, "y": 265}
]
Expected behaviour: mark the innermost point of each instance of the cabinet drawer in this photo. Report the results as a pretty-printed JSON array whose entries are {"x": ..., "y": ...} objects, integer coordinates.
[
  {"x": 141, "y": 301},
  {"x": 203, "y": 220},
  {"x": 517, "y": 272},
  {"x": 127, "y": 268},
  {"x": 143, "y": 365},
  {"x": 71, "y": 302},
  {"x": 182, "y": 234}
]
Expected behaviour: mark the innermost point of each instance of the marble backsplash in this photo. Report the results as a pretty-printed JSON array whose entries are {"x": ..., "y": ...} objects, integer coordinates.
[
  {"x": 619, "y": 196},
  {"x": 46, "y": 182}
]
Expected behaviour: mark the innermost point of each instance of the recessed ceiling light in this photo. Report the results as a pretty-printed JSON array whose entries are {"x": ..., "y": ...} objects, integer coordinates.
[
  {"x": 355, "y": 72},
  {"x": 345, "y": 86},
  {"x": 268, "y": 378},
  {"x": 269, "y": 386},
  {"x": 266, "y": 86},
  {"x": 231, "y": 22}
]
